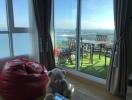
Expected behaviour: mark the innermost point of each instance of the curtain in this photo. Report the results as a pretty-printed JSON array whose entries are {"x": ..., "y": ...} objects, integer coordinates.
[
  {"x": 41, "y": 10},
  {"x": 118, "y": 69},
  {"x": 33, "y": 33}
]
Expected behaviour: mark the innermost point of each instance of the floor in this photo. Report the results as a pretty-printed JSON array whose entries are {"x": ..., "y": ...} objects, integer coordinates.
[{"x": 88, "y": 92}]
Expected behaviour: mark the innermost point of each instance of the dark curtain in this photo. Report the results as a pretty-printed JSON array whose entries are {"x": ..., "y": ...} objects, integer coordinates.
[
  {"x": 42, "y": 12},
  {"x": 118, "y": 70}
]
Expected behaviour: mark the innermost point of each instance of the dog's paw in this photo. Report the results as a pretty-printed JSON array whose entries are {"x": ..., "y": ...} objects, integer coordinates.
[{"x": 49, "y": 96}]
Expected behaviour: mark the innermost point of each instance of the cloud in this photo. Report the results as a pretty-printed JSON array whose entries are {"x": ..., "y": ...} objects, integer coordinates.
[
  {"x": 66, "y": 24},
  {"x": 86, "y": 24},
  {"x": 97, "y": 24}
]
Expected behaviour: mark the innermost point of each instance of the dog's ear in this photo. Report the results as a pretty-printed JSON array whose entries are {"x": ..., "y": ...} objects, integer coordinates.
[{"x": 49, "y": 73}]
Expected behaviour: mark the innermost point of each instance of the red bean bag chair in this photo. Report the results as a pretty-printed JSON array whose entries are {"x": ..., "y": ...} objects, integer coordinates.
[{"x": 23, "y": 79}]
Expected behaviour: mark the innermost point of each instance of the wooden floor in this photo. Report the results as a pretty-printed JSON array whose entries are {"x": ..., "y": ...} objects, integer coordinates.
[
  {"x": 87, "y": 91},
  {"x": 84, "y": 91}
]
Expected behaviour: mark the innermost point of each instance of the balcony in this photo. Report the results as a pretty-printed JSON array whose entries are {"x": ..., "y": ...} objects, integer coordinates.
[{"x": 94, "y": 55}]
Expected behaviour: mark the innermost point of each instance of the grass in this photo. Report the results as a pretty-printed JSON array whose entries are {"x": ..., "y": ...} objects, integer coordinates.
[{"x": 97, "y": 69}]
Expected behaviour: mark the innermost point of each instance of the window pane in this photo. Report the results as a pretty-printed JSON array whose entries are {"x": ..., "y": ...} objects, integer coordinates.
[
  {"x": 21, "y": 13},
  {"x": 21, "y": 43},
  {"x": 3, "y": 17},
  {"x": 97, "y": 29},
  {"x": 4, "y": 46},
  {"x": 65, "y": 32}
]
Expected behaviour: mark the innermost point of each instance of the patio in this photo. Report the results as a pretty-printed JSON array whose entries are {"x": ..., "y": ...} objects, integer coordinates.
[
  {"x": 94, "y": 55},
  {"x": 97, "y": 69}
]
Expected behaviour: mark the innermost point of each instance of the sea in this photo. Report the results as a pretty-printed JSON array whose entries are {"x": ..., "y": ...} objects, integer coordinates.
[
  {"x": 22, "y": 42},
  {"x": 62, "y": 35}
]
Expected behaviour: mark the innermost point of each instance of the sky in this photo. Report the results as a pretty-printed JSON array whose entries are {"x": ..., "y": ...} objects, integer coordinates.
[
  {"x": 3, "y": 21},
  {"x": 95, "y": 14},
  {"x": 20, "y": 8},
  {"x": 21, "y": 13}
]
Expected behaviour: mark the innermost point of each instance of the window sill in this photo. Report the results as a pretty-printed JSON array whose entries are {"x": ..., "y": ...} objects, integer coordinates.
[{"x": 85, "y": 78}]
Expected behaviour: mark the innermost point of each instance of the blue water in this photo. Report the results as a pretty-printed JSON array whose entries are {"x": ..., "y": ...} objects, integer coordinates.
[
  {"x": 22, "y": 44},
  {"x": 4, "y": 45},
  {"x": 62, "y": 36}
]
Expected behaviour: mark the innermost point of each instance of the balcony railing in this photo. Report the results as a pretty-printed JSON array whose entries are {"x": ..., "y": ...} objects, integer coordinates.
[{"x": 94, "y": 55}]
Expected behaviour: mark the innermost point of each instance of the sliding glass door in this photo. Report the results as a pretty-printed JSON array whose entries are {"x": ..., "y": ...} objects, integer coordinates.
[
  {"x": 85, "y": 27},
  {"x": 97, "y": 31},
  {"x": 65, "y": 12}
]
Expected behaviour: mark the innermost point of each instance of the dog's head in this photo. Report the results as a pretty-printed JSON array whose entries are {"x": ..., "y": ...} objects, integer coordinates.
[{"x": 56, "y": 74}]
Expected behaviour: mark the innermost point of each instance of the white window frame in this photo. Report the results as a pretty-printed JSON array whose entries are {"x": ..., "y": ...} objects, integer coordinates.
[
  {"x": 10, "y": 24},
  {"x": 78, "y": 30}
]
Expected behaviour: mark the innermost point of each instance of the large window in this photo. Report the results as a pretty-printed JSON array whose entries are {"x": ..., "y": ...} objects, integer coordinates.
[
  {"x": 14, "y": 24},
  {"x": 65, "y": 29},
  {"x": 97, "y": 28},
  {"x": 92, "y": 34}
]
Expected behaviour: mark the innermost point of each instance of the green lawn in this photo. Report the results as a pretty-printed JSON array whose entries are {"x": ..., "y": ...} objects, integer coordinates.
[{"x": 98, "y": 67}]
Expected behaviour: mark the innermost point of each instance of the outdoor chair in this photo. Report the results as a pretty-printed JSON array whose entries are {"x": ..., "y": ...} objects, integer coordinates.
[
  {"x": 108, "y": 52},
  {"x": 100, "y": 47},
  {"x": 67, "y": 52},
  {"x": 71, "y": 50},
  {"x": 84, "y": 49}
]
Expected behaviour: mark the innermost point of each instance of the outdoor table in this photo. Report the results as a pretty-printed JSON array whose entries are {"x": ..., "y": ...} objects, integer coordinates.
[{"x": 92, "y": 43}]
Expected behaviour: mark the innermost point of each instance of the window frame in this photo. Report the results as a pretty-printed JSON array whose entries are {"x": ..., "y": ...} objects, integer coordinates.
[
  {"x": 78, "y": 30},
  {"x": 10, "y": 26},
  {"x": 78, "y": 38}
]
